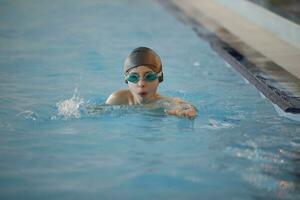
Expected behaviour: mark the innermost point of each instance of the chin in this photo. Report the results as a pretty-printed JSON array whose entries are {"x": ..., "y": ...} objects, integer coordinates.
[{"x": 144, "y": 100}]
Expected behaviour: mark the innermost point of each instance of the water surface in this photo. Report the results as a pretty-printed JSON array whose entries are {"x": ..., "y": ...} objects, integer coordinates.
[{"x": 59, "y": 58}]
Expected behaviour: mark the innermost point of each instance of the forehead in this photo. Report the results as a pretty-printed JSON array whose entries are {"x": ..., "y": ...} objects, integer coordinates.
[{"x": 141, "y": 69}]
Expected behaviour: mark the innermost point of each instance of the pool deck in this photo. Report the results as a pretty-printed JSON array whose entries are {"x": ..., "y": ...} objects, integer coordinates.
[{"x": 266, "y": 51}]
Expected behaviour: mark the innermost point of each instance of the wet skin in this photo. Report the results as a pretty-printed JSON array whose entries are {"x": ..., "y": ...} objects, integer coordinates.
[{"x": 145, "y": 92}]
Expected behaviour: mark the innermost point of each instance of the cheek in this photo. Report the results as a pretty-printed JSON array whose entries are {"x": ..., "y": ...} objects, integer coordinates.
[
  {"x": 153, "y": 86},
  {"x": 132, "y": 87}
]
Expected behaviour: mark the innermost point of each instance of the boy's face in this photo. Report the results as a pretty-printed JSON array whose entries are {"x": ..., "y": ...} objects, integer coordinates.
[{"x": 143, "y": 91}]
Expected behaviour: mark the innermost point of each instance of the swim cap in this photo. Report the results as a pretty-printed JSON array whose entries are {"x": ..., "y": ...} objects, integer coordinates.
[{"x": 146, "y": 57}]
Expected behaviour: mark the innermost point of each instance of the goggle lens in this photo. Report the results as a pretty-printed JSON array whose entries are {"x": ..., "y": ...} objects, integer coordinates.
[
  {"x": 133, "y": 78},
  {"x": 149, "y": 77}
]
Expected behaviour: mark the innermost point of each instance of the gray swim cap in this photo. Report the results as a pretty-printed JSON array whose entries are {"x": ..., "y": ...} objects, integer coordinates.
[
  {"x": 143, "y": 56},
  {"x": 146, "y": 57}
]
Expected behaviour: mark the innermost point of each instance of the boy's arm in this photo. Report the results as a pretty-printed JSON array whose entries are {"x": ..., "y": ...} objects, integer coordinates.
[{"x": 184, "y": 109}]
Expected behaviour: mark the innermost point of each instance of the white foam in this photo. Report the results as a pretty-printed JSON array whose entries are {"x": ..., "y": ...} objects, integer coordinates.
[{"x": 70, "y": 108}]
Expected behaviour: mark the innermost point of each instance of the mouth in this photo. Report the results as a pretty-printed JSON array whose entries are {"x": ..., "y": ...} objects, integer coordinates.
[{"x": 142, "y": 94}]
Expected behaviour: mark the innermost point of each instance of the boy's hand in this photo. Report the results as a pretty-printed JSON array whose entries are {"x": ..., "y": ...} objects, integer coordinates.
[{"x": 187, "y": 111}]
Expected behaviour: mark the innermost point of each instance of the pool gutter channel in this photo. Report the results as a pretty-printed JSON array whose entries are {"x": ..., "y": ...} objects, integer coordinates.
[{"x": 280, "y": 92}]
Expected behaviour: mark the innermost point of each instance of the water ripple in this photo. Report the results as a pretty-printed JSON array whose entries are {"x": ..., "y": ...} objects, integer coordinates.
[{"x": 28, "y": 114}]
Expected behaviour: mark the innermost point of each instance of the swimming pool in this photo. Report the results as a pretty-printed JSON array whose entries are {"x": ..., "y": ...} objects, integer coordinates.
[{"x": 58, "y": 59}]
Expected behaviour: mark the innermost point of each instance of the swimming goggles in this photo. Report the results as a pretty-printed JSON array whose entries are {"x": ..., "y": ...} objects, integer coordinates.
[{"x": 148, "y": 77}]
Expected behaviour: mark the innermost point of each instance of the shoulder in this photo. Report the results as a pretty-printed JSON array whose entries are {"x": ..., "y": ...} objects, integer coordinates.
[{"x": 120, "y": 97}]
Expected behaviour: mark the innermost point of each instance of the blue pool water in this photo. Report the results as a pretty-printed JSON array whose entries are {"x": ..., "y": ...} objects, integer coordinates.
[{"x": 59, "y": 62}]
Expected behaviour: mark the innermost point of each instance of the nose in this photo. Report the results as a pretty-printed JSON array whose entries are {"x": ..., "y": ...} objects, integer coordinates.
[{"x": 141, "y": 83}]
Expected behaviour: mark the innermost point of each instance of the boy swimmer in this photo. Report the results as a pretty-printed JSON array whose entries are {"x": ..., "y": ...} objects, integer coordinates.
[{"x": 143, "y": 73}]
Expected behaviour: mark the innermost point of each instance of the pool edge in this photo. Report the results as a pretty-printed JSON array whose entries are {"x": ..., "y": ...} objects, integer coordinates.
[{"x": 278, "y": 85}]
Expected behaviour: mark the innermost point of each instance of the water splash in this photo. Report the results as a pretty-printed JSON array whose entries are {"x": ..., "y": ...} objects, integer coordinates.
[
  {"x": 70, "y": 108},
  {"x": 28, "y": 114}
]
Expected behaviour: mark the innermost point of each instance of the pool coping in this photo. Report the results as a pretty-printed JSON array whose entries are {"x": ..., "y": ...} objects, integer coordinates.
[
  {"x": 283, "y": 28},
  {"x": 272, "y": 80}
]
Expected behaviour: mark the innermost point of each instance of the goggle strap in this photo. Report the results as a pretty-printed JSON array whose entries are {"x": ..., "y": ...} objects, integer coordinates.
[{"x": 159, "y": 74}]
